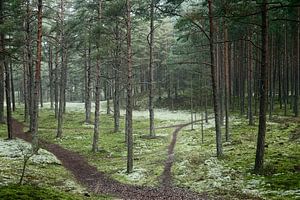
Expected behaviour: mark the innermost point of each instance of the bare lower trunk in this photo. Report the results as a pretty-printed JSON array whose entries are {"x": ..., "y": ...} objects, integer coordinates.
[
  {"x": 51, "y": 82},
  {"x": 117, "y": 102},
  {"x": 2, "y": 89},
  {"x": 214, "y": 84},
  {"x": 297, "y": 70},
  {"x": 129, "y": 93},
  {"x": 37, "y": 81},
  {"x": 260, "y": 149},
  {"x": 88, "y": 87},
  {"x": 41, "y": 93},
  {"x": 226, "y": 77},
  {"x": 8, "y": 98},
  {"x": 56, "y": 85},
  {"x": 151, "y": 95},
  {"x": 63, "y": 75},
  {"x": 95, "y": 146},
  {"x": 13, "y": 101},
  {"x": 250, "y": 95}
]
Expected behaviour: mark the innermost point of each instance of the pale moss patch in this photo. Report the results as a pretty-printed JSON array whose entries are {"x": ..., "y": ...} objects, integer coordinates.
[
  {"x": 17, "y": 149},
  {"x": 136, "y": 175}
]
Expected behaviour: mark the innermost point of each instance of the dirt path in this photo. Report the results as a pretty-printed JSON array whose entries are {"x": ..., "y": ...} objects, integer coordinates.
[
  {"x": 99, "y": 182},
  {"x": 166, "y": 175}
]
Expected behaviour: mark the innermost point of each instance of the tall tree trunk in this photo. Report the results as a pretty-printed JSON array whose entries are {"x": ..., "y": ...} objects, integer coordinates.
[
  {"x": 25, "y": 77},
  {"x": 129, "y": 93},
  {"x": 8, "y": 94},
  {"x": 63, "y": 73},
  {"x": 1, "y": 88},
  {"x": 214, "y": 82},
  {"x": 250, "y": 92},
  {"x": 117, "y": 80},
  {"x": 4, "y": 66},
  {"x": 260, "y": 149},
  {"x": 108, "y": 92},
  {"x": 271, "y": 70},
  {"x": 88, "y": 87},
  {"x": 95, "y": 146},
  {"x": 226, "y": 77},
  {"x": 286, "y": 71},
  {"x": 297, "y": 69},
  {"x": 30, "y": 79},
  {"x": 1, "y": 72},
  {"x": 51, "y": 85},
  {"x": 13, "y": 101},
  {"x": 37, "y": 80},
  {"x": 56, "y": 83},
  {"x": 151, "y": 73},
  {"x": 41, "y": 93},
  {"x": 191, "y": 104}
]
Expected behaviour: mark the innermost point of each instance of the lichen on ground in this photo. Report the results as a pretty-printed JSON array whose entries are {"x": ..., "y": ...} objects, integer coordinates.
[{"x": 195, "y": 166}]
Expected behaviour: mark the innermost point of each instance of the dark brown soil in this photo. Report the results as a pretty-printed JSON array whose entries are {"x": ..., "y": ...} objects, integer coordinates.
[{"x": 100, "y": 183}]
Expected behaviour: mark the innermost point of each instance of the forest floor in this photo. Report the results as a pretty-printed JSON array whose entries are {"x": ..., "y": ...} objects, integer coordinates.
[
  {"x": 191, "y": 163},
  {"x": 100, "y": 183}
]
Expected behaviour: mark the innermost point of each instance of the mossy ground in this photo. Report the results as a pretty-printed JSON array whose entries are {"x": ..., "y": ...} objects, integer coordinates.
[
  {"x": 31, "y": 192},
  {"x": 41, "y": 181},
  {"x": 195, "y": 166}
]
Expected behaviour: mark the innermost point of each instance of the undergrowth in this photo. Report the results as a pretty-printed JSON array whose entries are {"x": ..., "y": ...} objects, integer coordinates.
[{"x": 195, "y": 166}]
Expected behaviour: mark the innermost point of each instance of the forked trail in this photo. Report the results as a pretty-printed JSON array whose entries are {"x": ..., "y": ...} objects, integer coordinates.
[{"x": 100, "y": 183}]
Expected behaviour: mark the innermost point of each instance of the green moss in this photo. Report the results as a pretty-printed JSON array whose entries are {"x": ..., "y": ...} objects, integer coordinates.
[
  {"x": 195, "y": 166},
  {"x": 28, "y": 192}
]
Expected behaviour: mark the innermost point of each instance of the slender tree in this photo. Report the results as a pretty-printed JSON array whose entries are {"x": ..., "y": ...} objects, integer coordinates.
[
  {"x": 215, "y": 87},
  {"x": 37, "y": 79},
  {"x": 1, "y": 66},
  {"x": 129, "y": 93},
  {"x": 63, "y": 70},
  {"x": 260, "y": 149},
  {"x": 151, "y": 73},
  {"x": 95, "y": 146}
]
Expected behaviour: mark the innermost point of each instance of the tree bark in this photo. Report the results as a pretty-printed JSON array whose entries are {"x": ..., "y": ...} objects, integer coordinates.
[
  {"x": 51, "y": 81},
  {"x": 41, "y": 93},
  {"x": 250, "y": 92},
  {"x": 129, "y": 93},
  {"x": 260, "y": 149},
  {"x": 88, "y": 87},
  {"x": 30, "y": 75},
  {"x": 1, "y": 70},
  {"x": 151, "y": 73},
  {"x": 13, "y": 99},
  {"x": 286, "y": 71},
  {"x": 4, "y": 66},
  {"x": 25, "y": 77},
  {"x": 63, "y": 73},
  {"x": 226, "y": 77},
  {"x": 95, "y": 146},
  {"x": 56, "y": 84},
  {"x": 37, "y": 80},
  {"x": 214, "y": 82},
  {"x": 117, "y": 80},
  {"x": 297, "y": 69},
  {"x": 8, "y": 95}
]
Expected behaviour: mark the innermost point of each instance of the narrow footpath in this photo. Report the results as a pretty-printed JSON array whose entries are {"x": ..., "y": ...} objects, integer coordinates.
[{"x": 100, "y": 183}]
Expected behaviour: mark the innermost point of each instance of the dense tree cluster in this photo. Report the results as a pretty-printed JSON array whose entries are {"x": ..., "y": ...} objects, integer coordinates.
[{"x": 211, "y": 56}]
